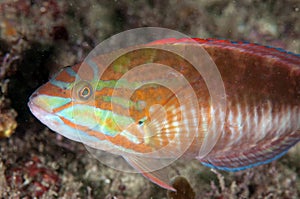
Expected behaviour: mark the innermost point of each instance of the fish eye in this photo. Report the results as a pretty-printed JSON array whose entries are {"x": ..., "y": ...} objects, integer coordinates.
[
  {"x": 83, "y": 90},
  {"x": 84, "y": 93}
]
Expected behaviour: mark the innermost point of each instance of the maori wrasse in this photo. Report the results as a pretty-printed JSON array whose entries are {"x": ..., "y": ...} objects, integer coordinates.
[{"x": 261, "y": 118}]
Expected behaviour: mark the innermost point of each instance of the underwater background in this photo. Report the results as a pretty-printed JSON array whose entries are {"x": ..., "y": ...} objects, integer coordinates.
[{"x": 38, "y": 37}]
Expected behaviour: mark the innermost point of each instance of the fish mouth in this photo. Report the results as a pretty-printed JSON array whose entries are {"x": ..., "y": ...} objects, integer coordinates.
[
  {"x": 44, "y": 114},
  {"x": 48, "y": 118},
  {"x": 36, "y": 110},
  {"x": 39, "y": 110}
]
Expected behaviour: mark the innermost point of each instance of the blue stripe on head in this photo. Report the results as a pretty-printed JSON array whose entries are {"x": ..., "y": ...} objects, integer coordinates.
[
  {"x": 94, "y": 66},
  {"x": 71, "y": 72},
  {"x": 60, "y": 84}
]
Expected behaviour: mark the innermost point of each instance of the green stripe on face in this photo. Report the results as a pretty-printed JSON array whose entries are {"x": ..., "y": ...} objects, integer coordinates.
[
  {"x": 96, "y": 119},
  {"x": 48, "y": 103},
  {"x": 122, "y": 83},
  {"x": 139, "y": 105}
]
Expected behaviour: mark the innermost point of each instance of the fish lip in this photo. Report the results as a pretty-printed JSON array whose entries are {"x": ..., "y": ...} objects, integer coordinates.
[
  {"x": 45, "y": 117},
  {"x": 36, "y": 110},
  {"x": 33, "y": 95}
]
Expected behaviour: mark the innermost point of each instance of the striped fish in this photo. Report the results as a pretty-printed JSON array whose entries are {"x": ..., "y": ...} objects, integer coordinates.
[{"x": 156, "y": 125}]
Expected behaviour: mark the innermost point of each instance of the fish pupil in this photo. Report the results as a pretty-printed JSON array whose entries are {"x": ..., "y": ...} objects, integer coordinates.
[
  {"x": 82, "y": 91},
  {"x": 85, "y": 92}
]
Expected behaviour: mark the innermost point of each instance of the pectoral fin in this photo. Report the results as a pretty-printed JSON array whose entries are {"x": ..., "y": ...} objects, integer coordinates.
[{"x": 148, "y": 168}]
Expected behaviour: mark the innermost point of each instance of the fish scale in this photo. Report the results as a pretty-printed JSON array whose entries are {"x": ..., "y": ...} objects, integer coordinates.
[{"x": 262, "y": 118}]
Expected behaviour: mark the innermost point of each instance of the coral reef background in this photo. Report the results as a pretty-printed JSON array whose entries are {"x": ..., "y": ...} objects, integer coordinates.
[{"x": 37, "y": 37}]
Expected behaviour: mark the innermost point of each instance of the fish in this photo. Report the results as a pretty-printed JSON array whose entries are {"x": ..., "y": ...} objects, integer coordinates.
[{"x": 164, "y": 109}]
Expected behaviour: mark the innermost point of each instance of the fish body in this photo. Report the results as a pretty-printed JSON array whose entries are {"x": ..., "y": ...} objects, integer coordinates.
[{"x": 259, "y": 124}]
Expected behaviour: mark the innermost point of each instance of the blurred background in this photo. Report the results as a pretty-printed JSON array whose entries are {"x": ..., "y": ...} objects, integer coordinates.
[{"x": 38, "y": 37}]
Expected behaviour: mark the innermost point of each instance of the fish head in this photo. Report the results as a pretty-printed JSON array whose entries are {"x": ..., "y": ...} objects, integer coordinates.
[
  {"x": 81, "y": 107},
  {"x": 111, "y": 112},
  {"x": 55, "y": 103}
]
